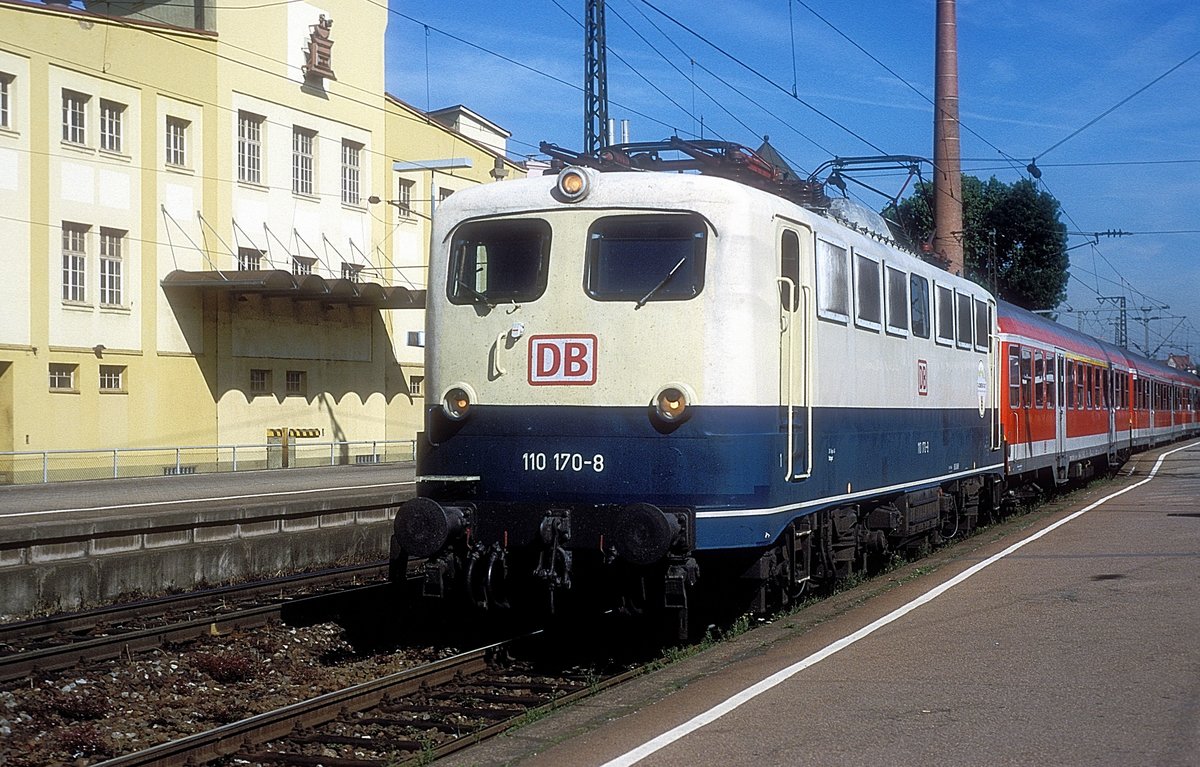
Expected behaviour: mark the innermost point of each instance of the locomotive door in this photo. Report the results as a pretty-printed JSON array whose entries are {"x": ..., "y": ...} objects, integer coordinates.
[
  {"x": 1060, "y": 412},
  {"x": 794, "y": 350}
]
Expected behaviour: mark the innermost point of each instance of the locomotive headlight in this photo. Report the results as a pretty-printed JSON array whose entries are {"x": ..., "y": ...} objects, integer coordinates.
[
  {"x": 456, "y": 404},
  {"x": 573, "y": 184},
  {"x": 673, "y": 403}
]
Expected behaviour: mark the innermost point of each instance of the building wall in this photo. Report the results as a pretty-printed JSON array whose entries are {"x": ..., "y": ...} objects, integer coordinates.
[{"x": 207, "y": 366}]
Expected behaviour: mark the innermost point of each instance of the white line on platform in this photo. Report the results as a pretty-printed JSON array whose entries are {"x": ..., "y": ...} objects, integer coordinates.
[
  {"x": 748, "y": 694},
  {"x": 185, "y": 501}
]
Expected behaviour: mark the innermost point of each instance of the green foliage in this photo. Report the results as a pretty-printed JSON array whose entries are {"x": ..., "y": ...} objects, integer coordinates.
[{"x": 1013, "y": 240}]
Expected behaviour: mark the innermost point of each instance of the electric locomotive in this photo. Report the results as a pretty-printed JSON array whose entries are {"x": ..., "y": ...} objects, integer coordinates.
[{"x": 645, "y": 383}]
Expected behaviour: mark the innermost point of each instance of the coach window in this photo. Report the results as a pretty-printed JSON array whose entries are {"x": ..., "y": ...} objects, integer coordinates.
[
  {"x": 645, "y": 258},
  {"x": 1039, "y": 379},
  {"x": 868, "y": 312},
  {"x": 789, "y": 268},
  {"x": 1051, "y": 380},
  {"x": 1069, "y": 386},
  {"x": 499, "y": 261},
  {"x": 1014, "y": 376},
  {"x": 1087, "y": 377},
  {"x": 1097, "y": 388},
  {"x": 897, "y": 301},
  {"x": 1026, "y": 377},
  {"x": 833, "y": 282},
  {"x": 918, "y": 296},
  {"x": 945, "y": 314}
]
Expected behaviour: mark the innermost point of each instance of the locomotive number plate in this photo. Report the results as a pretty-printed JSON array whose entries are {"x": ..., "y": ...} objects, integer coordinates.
[{"x": 562, "y": 462}]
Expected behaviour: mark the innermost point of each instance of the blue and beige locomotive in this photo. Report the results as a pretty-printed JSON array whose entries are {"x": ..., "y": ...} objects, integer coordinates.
[{"x": 643, "y": 384}]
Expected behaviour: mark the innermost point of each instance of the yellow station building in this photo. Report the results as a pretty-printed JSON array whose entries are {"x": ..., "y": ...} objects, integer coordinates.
[{"x": 213, "y": 226}]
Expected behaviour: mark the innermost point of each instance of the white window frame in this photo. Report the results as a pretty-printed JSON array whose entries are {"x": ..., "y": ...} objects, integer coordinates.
[
  {"x": 942, "y": 293},
  {"x": 74, "y": 117},
  {"x": 295, "y": 383},
  {"x": 6, "y": 100},
  {"x": 176, "y": 142},
  {"x": 111, "y": 267},
  {"x": 249, "y": 259},
  {"x": 112, "y": 123},
  {"x": 890, "y": 309},
  {"x": 112, "y": 378},
  {"x": 260, "y": 382},
  {"x": 860, "y": 266},
  {"x": 61, "y": 373},
  {"x": 303, "y": 265},
  {"x": 249, "y": 148},
  {"x": 304, "y": 165},
  {"x": 74, "y": 262},
  {"x": 404, "y": 197},
  {"x": 351, "y": 174},
  {"x": 833, "y": 300},
  {"x": 351, "y": 271}
]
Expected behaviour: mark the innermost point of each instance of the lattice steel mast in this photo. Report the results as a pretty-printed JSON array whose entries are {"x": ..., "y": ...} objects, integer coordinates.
[{"x": 595, "y": 79}]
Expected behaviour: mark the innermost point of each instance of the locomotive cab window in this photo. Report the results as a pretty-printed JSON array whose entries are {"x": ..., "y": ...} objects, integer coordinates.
[
  {"x": 499, "y": 261},
  {"x": 646, "y": 258},
  {"x": 983, "y": 324},
  {"x": 965, "y": 329}
]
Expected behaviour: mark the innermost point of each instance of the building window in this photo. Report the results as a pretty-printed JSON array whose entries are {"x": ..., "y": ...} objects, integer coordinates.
[
  {"x": 74, "y": 117},
  {"x": 249, "y": 149},
  {"x": 112, "y": 115},
  {"x": 6, "y": 120},
  {"x": 62, "y": 376},
  {"x": 177, "y": 142},
  {"x": 404, "y": 198},
  {"x": 302, "y": 265},
  {"x": 74, "y": 262},
  {"x": 351, "y": 153},
  {"x": 416, "y": 385},
  {"x": 302, "y": 161},
  {"x": 112, "y": 378},
  {"x": 260, "y": 381},
  {"x": 249, "y": 259},
  {"x": 296, "y": 384},
  {"x": 110, "y": 266},
  {"x": 351, "y": 271}
]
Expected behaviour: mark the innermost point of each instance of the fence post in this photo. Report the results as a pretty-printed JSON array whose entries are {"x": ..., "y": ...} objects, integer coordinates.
[
  {"x": 114, "y": 464},
  {"x": 177, "y": 468},
  {"x": 331, "y": 449},
  {"x": 235, "y": 457},
  {"x": 45, "y": 467}
]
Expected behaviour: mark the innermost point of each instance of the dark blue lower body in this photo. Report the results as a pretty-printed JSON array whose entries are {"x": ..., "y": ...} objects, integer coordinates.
[{"x": 727, "y": 464}]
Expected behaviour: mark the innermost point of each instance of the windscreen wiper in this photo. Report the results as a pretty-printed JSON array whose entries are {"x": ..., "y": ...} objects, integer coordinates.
[
  {"x": 660, "y": 285},
  {"x": 479, "y": 297}
]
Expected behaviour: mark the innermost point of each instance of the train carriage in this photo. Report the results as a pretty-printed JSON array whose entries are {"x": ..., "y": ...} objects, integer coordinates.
[{"x": 640, "y": 381}]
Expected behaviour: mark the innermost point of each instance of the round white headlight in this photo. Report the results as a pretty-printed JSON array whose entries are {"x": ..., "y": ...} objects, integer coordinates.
[{"x": 573, "y": 184}]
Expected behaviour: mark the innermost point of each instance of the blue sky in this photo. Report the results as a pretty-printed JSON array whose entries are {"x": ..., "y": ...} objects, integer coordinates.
[{"x": 1031, "y": 74}]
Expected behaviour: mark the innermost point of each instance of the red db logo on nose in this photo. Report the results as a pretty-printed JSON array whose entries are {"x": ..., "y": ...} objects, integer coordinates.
[{"x": 562, "y": 360}]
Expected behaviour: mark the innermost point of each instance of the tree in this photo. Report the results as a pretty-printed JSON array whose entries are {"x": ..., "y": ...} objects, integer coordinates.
[{"x": 1013, "y": 240}]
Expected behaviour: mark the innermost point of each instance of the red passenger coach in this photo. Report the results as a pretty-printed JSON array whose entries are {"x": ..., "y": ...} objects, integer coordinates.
[{"x": 1071, "y": 403}]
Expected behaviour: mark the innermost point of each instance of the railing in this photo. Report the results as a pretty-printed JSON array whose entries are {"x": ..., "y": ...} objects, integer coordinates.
[{"x": 36, "y": 466}]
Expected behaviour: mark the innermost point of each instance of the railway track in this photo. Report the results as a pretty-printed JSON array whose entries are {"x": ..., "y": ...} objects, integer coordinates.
[
  {"x": 59, "y": 642},
  {"x": 421, "y": 714}
]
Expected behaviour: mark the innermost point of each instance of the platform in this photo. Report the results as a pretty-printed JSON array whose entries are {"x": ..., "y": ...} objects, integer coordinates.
[
  {"x": 74, "y": 544},
  {"x": 1071, "y": 639}
]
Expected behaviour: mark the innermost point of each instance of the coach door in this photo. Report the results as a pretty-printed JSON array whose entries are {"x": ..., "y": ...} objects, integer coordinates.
[
  {"x": 794, "y": 350},
  {"x": 1060, "y": 412}
]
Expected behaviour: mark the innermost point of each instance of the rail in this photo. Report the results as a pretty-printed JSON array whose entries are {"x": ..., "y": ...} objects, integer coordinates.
[{"x": 43, "y": 466}]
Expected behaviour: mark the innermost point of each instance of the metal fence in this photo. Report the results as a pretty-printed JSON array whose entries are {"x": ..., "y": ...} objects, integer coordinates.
[{"x": 38, "y": 466}]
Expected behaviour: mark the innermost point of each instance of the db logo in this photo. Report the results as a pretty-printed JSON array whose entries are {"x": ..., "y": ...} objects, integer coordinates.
[
  {"x": 923, "y": 378},
  {"x": 562, "y": 360}
]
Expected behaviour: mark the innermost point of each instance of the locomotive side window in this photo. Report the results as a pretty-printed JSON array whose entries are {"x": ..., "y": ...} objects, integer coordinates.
[
  {"x": 945, "y": 315},
  {"x": 868, "y": 303},
  {"x": 897, "y": 301},
  {"x": 918, "y": 289},
  {"x": 789, "y": 267},
  {"x": 645, "y": 258},
  {"x": 833, "y": 282},
  {"x": 499, "y": 261},
  {"x": 983, "y": 324},
  {"x": 966, "y": 335}
]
